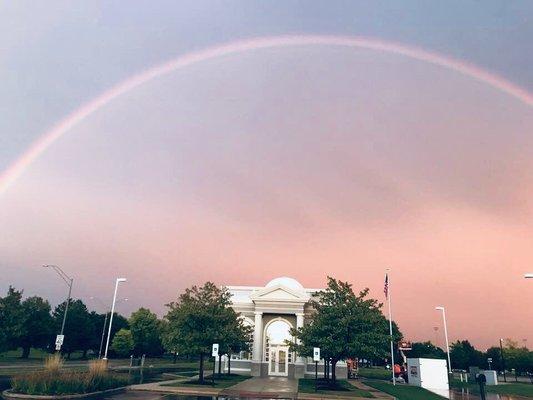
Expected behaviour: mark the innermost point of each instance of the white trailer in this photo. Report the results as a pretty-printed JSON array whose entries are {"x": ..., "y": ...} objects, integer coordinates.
[
  {"x": 492, "y": 377},
  {"x": 431, "y": 374}
]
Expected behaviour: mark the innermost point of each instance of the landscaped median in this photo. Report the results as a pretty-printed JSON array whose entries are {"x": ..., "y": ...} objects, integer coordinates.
[
  {"x": 55, "y": 383},
  {"x": 341, "y": 388}
]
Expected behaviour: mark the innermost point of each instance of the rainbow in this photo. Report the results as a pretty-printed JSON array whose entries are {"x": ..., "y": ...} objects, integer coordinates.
[{"x": 17, "y": 168}]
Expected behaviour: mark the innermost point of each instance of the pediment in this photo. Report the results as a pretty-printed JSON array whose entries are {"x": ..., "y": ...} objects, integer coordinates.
[{"x": 279, "y": 292}]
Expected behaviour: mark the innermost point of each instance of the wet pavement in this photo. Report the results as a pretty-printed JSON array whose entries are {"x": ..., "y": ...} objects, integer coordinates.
[
  {"x": 264, "y": 388},
  {"x": 133, "y": 395},
  {"x": 464, "y": 394}
]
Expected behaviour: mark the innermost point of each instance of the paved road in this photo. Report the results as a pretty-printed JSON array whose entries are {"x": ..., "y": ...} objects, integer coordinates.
[{"x": 133, "y": 395}]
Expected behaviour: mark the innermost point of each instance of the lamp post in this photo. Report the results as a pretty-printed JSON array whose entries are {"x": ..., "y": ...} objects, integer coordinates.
[
  {"x": 440, "y": 308},
  {"x": 111, "y": 317},
  {"x": 105, "y": 324},
  {"x": 68, "y": 280}
]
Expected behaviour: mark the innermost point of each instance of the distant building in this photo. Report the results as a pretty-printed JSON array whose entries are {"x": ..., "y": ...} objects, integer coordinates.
[{"x": 273, "y": 310}]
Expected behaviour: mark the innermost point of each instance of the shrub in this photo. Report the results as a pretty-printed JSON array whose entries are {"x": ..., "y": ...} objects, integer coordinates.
[
  {"x": 53, "y": 363},
  {"x": 66, "y": 382}
]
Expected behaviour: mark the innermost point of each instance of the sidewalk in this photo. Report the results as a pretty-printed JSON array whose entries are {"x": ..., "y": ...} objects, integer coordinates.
[{"x": 271, "y": 388}]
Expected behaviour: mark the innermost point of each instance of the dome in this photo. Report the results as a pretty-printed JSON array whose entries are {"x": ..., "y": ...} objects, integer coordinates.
[{"x": 285, "y": 281}]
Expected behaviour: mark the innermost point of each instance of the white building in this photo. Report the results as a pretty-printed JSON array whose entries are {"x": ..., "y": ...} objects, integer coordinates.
[{"x": 273, "y": 310}]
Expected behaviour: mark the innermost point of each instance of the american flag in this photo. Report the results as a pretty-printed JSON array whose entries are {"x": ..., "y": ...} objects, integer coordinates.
[{"x": 386, "y": 288}]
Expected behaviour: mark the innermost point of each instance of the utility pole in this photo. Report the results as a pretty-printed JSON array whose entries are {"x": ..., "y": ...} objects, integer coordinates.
[
  {"x": 68, "y": 280},
  {"x": 503, "y": 360}
]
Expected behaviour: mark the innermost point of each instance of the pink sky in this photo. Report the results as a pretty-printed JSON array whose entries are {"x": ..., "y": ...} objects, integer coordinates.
[{"x": 302, "y": 162}]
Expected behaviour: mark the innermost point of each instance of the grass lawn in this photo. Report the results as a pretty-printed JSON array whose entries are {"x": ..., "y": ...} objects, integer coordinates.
[
  {"x": 375, "y": 373},
  {"x": 36, "y": 355},
  {"x": 343, "y": 388},
  {"x": 220, "y": 383},
  {"x": 404, "y": 392}
]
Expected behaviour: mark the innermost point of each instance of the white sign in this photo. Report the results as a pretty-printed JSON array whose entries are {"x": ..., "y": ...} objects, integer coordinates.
[
  {"x": 214, "y": 352},
  {"x": 59, "y": 340},
  {"x": 316, "y": 354}
]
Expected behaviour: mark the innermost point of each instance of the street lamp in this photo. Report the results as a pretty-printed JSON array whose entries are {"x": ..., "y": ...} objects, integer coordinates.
[
  {"x": 111, "y": 317},
  {"x": 529, "y": 276},
  {"x": 440, "y": 308},
  {"x": 105, "y": 323},
  {"x": 68, "y": 281},
  {"x": 503, "y": 360}
]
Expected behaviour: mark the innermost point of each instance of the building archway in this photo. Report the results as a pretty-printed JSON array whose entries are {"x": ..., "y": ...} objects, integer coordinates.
[{"x": 276, "y": 350}]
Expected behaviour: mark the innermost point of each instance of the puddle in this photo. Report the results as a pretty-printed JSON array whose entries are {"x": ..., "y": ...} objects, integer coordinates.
[{"x": 464, "y": 394}]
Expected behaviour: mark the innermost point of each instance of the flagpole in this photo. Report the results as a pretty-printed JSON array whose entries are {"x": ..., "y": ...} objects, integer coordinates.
[{"x": 390, "y": 327}]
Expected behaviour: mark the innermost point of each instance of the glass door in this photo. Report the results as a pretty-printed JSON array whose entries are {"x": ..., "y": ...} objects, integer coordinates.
[
  {"x": 282, "y": 361},
  {"x": 279, "y": 361}
]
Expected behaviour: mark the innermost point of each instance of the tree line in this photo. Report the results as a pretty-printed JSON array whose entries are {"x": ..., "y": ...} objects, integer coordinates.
[
  {"x": 464, "y": 355},
  {"x": 343, "y": 324},
  {"x": 32, "y": 323}
]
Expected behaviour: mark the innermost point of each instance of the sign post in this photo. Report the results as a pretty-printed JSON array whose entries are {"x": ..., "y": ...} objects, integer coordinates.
[
  {"x": 59, "y": 341},
  {"x": 214, "y": 354},
  {"x": 316, "y": 359}
]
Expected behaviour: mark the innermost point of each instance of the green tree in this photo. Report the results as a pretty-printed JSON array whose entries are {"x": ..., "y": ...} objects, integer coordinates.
[
  {"x": 11, "y": 319},
  {"x": 119, "y": 322},
  {"x": 426, "y": 350},
  {"x": 123, "y": 343},
  {"x": 197, "y": 320},
  {"x": 518, "y": 358},
  {"x": 146, "y": 332},
  {"x": 463, "y": 355},
  {"x": 235, "y": 337},
  {"x": 494, "y": 353},
  {"x": 79, "y": 330},
  {"x": 344, "y": 325},
  {"x": 37, "y": 325}
]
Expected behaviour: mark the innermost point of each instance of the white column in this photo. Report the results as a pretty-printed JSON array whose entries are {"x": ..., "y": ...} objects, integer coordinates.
[
  {"x": 299, "y": 324},
  {"x": 258, "y": 336}
]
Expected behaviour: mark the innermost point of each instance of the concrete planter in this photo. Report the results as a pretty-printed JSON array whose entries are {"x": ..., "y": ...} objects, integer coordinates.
[{"x": 9, "y": 395}]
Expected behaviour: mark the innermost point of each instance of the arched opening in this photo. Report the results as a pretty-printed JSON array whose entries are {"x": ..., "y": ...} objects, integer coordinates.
[{"x": 276, "y": 335}]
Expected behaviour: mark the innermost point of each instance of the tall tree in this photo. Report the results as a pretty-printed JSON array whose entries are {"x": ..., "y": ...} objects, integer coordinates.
[
  {"x": 344, "y": 325},
  {"x": 235, "y": 337},
  {"x": 463, "y": 355},
  {"x": 123, "y": 343},
  {"x": 426, "y": 350},
  {"x": 146, "y": 332},
  {"x": 494, "y": 353},
  {"x": 197, "y": 320},
  {"x": 11, "y": 319},
  {"x": 79, "y": 330},
  {"x": 517, "y": 357},
  {"x": 37, "y": 325}
]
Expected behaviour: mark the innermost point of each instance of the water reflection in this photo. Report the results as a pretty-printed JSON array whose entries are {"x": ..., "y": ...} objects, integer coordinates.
[{"x": 465, "y": 394}]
